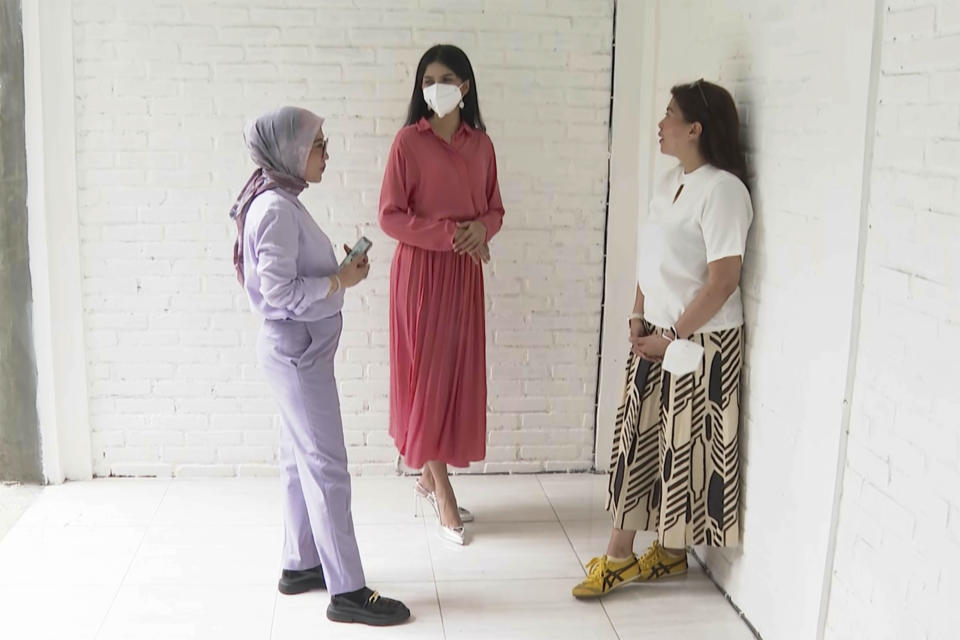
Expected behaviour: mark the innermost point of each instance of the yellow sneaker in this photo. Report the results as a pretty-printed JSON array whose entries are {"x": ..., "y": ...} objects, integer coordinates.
[
  {"x": 659, "y": 563},
  {"x": 605, "y": 576}
]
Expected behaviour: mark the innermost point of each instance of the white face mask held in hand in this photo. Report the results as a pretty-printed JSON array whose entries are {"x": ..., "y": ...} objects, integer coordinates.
[
  {"x": 682, "y": 357},
  {"x": 443, "y": 98}
]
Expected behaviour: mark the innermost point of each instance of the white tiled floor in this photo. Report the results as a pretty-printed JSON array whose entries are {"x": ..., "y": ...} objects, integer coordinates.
[
  {"x": 14, "y": 500},
  {"x": 178, "y": 559}
]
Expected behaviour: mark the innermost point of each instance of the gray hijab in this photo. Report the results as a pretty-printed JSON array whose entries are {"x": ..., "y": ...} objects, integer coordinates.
[{"x": 279, "y": 143}]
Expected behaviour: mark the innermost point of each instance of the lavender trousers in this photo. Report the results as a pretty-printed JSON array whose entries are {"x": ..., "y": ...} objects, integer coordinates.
[{"x": 297, "y": 358}]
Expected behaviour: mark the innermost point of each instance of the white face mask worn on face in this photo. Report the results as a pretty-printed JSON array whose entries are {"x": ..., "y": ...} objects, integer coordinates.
[{"x": 443, "y": 98}]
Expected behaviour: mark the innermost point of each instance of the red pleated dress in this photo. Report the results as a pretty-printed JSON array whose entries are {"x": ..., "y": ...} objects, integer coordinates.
[{"x": 438, "y": 381}]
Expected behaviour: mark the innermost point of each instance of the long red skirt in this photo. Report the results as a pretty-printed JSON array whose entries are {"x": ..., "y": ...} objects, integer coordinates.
[{"x": 438, "y": 369}]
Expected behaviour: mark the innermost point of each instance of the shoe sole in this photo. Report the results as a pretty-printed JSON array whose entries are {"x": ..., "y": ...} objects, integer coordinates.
[
  {"x": 301, "y": 587},
  {"x": 350, "y": 619},
  {"x": 636, "y": 578}
]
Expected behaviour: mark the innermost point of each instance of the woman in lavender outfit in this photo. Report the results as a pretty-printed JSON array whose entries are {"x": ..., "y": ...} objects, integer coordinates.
[{"x": 289, "y": 270}]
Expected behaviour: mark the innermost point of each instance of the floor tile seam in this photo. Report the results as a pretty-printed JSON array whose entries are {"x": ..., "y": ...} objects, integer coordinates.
[{"x": 133, "y": 558}]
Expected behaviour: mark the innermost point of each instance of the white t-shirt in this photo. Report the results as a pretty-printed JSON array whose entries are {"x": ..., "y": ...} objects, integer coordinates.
[{"x": 709, "y": 221}]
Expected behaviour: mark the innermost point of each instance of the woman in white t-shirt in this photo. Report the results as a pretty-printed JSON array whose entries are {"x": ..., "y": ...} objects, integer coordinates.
[{"x": 675, "y": 464}]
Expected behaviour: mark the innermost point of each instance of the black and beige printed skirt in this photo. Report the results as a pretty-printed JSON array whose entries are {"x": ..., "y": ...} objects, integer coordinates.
[{"x": 676, "y": 459}]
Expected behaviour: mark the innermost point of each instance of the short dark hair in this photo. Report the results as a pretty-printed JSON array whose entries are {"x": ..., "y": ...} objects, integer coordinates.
[
  {"x": 713, "y": 107},
  {"x": 457, "y": 61}
]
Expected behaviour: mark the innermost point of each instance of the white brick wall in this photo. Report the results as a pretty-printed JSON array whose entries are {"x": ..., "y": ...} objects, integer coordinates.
[
  {"x": 799, "y": 72},
  {"x": 898, "y": 546},
  {"x": 163, "y": 89}
]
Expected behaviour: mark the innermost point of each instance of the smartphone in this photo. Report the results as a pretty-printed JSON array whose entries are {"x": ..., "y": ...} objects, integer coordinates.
[{"x": 360, "y": 249}]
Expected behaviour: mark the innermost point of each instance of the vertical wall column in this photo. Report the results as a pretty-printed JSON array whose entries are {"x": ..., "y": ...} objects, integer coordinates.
[
  {"x": 19, "y": 437},
  {"x": 631, "y": 149},
  {"x": 54, "y": 239}
]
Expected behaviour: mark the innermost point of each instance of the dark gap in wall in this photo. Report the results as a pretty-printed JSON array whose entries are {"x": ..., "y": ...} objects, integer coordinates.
[{"x": 606, "y": 222}]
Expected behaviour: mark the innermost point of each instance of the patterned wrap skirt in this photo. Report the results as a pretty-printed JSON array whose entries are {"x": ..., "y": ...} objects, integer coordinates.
[{"x": 675, "y": 467}]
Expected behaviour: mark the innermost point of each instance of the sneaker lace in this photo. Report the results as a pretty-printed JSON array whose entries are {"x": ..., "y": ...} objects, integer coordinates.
[
  {"x": 597, "y": 567},
  {"x": 651, "y": 557}
]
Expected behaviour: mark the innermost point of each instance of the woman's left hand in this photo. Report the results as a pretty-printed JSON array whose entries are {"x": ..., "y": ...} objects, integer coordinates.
[
  {"x": 470, "y": 236},
  {"x": 651, "y": 347},
  {"x": 482, "y": 254}
]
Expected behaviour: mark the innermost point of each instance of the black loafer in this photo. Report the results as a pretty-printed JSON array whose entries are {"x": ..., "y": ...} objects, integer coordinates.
[
  {"x": 294, "y": 582},
  {"x": 367, "y": 607}
]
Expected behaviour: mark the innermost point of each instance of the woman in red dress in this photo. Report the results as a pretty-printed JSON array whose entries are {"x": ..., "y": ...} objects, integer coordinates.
[{"x": 441, "y": 201}]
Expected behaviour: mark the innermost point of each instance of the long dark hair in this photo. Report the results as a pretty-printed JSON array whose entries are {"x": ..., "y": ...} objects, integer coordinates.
[
  {"x": 712, "y": 106},
  {"x": 457, "y": 61}
]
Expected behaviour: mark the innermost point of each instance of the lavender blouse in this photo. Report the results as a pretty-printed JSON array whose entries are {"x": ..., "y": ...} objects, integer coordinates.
[{"x": 287, "y": 261}]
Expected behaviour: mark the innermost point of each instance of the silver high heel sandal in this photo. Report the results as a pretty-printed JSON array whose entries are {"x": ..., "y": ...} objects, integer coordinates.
[
  {"x": 450, "y": 534},
  {"x": 420, "y": 493}
]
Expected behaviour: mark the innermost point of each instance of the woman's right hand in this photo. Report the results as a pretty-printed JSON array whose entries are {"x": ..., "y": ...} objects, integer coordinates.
[{"x": 354, "y": 271}]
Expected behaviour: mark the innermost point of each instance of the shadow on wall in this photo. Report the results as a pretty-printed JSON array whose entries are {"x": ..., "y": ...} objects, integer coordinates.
[
  {"x": 19, "y": 433},
  {"x": 752, "y": 266},
  {"x": 720, "y": 560}
]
